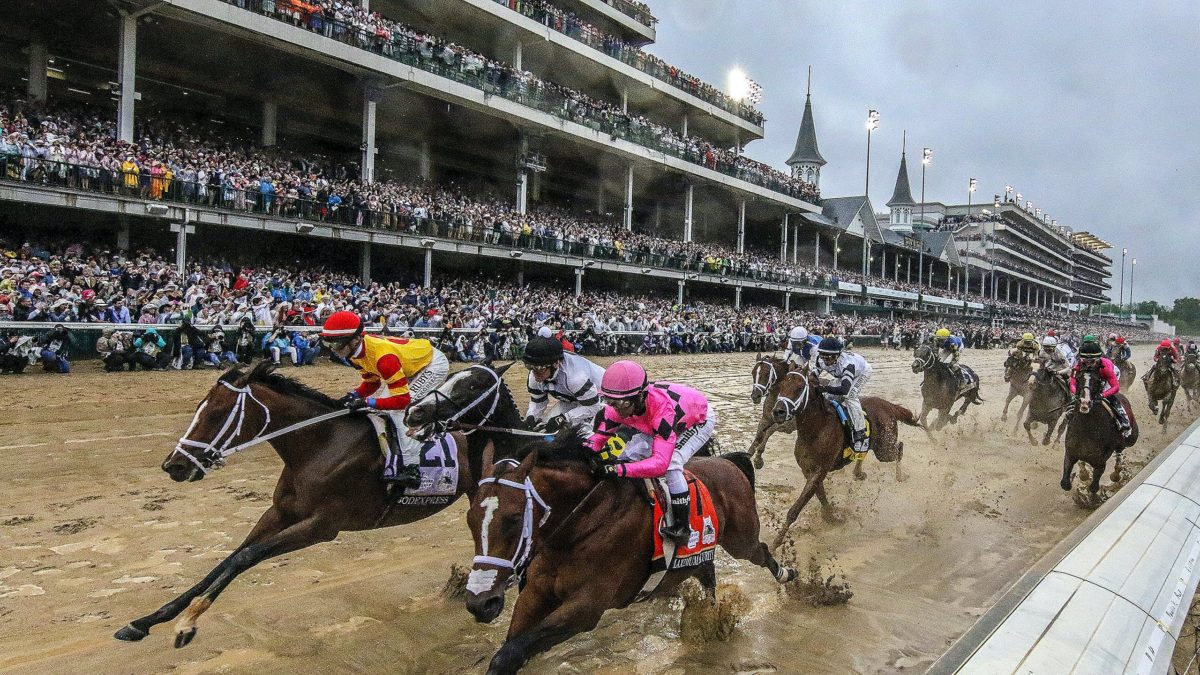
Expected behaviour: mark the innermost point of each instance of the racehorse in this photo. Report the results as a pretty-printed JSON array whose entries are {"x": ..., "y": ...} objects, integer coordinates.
[
  {"x": 1048, "y": 400},
  {"x": 1128, "y": 373},
  {"x": 1092, "y": 433},
  {"x": 578, "y": 545},
  {"x": 1189, "y": 380},
  {"x": 820, "y": 441},
  {"x": 1017, "y": 368},
  {"x": 767, "y": 373},
  {"x": 330, "y": 481},
  {"x": 1161, "y": 387},
  {"x": 941, "y": 389}
]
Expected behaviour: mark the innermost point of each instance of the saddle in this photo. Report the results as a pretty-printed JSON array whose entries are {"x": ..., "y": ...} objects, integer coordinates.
[
  {"x": 701, "y": 546},
  {"x": 848, "y": 453}
]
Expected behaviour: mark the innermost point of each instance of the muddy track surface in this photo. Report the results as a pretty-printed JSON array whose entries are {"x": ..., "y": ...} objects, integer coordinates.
[{"x": 93, "y": 534}]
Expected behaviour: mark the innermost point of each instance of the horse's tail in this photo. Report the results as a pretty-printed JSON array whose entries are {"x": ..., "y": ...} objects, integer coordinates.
[
  {"x": 742, "y": 461},
  {"x": 904, "y": 415}
]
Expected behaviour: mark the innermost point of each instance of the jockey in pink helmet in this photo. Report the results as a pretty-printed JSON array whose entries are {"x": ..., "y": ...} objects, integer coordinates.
[{"x": 672, "y": 422}]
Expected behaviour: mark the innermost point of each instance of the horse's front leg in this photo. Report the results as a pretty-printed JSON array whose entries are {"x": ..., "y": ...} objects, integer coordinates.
[
  {"x": 293, "y": 537},
  {"x": 1004, "y": 414},
  {"x": 541, "y": 621},
  {"x": 814, "y": 484},
  {"x": 1068, "y": 464},
  {"x": 268, "y": 524},
  {"x": 766, "y": 427}
]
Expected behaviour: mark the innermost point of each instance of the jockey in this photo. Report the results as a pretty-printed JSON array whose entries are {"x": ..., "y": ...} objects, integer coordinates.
[
  {"x": 1091, "y": 357},
  {"x": 411, "y": 369},
  {"x": 1192, "y": 352},
  {"x": 1027, "y": 345},
  {"x": 573, "y": 382},
  {"x": 801, "y": 346},
  {"x": 949, "y": 349},
  {"x": 851, "y": 373},
  {"x": 1118, "y": 350},
  {"x": 673, "y": 421},
  {"x": 1057, "y": 358},
  {"x": 1167, "y": 352}
]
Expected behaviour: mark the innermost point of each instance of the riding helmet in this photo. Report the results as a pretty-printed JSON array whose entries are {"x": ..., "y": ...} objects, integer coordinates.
[
  {"x": 830, "y": 345},
  {"x": 798, "y": 333},
  {"x": 543, "y": 351},
  {"x": 1049, "y": 341},
  {"x": 1028, "y": 337},
  {"x": 942, "y": 333},
  {"x": 342, "y": 325},
  {"x": 624, "y": 379},
  {"x": 1090, "y": 349}
]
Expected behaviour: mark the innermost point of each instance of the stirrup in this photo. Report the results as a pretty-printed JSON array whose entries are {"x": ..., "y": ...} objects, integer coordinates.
[{"x": 406, "y": 476}]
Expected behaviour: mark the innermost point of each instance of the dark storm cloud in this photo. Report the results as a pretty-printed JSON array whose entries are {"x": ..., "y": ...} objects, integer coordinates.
[{"x": 1089, "y": 109}]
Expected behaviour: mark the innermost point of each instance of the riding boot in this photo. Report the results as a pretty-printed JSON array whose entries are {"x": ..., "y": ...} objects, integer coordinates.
[
  {"x": 395, "y": 471},
  {"x": 1122, "y": 417},
  {"x": 680, "y": 528},
  {"x": 861, "y": 444}
]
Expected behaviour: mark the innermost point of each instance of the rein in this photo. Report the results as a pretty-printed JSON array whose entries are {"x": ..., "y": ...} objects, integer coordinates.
[
  {"x": 219, "y": 447},
  {"x": 925, "y": 362},
  {"x": 792, "y": 406},
  {"x": 493, "y": 391},
  {"x": 468, "y": 428}
]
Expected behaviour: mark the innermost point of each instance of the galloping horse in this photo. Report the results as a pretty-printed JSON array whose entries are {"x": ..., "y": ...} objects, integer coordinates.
[
  {"x": 1017, "y": 368},
  {"x": 1092, "y": 434},
  {"x": 941, "y": 389},
  {"x": 577, "y": 545},
  {"x": 1161, "y": 387},
  {"x": 767, "y": 373},
  {"x": 1048, "y": 400},
  {"x": 820, "y": 441},
  {"x": 1189, "y": 380},
  {"x": 330, "y": 481},
  {"x": 1128, "y": 372}
]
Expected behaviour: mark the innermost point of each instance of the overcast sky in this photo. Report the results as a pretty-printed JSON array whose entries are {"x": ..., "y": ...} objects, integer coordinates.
[{"x": 1089, "y": 109}]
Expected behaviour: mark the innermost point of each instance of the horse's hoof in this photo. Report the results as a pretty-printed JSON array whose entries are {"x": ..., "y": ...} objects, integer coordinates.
[
  {"x": 787, "y": 575},
  {"x": 758, "y": 461},
  {"x": 1065, "y": 484},
  {"x": 184, "y": 638},
  {"x": 860, "y": 475},
  {"x": 130, "y": 633},
  {"x": 833, "y": 516}
]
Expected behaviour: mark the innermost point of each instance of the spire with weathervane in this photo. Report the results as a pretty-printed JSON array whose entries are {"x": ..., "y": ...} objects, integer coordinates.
[
  {"x": 902, "y": 202},
  {"x": 806, "y": 160}
]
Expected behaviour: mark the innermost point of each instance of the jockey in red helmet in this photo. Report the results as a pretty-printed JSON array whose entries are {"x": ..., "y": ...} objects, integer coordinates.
[
  {"x": 1166, "y": 352},
  {"x": 673, "y": 421}
]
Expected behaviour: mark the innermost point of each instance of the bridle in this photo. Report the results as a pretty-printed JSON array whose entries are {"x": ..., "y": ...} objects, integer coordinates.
[
  {"x": 791, "y": 406},
  {"x": 211, "y": 455},
  {"x": 772, "y": 377},
  {"x": 927, "y": 361},
  {"x": 524, "y": 551},
  {"x": 492, "y": 391}
]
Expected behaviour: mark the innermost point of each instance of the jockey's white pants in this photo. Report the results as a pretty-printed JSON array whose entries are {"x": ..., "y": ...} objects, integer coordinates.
[
  {"x": 421, "y": 385},
  {"x": 686, "y": 445},
  {"x": 853, "y": 404}
]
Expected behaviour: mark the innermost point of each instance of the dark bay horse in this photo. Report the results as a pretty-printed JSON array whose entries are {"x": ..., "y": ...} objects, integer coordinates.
[
  {"x": 766, "y": 375},
  {"x": 820, "y": 441},
  {"x": 1189, "y": 380},
  {"x": 578, "y": 546},
  {"x": 1017, "y": 368},
  {"x": 1092, "y": 433},
  {"x": 330, "y": 481},
  {"x": 941, "y": 389},
  {"x": 1161, "y": 387},
  {"x": 1128, "y": 373},
  {"x": 1048, "y": 401}
]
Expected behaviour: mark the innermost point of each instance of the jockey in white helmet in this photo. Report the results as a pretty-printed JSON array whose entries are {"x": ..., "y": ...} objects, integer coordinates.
[{"x": 801, "y": 346}]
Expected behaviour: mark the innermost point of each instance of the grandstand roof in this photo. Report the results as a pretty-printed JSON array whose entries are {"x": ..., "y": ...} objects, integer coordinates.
[
  {"x": 842, "y": 210},
  {"x": 1090, "y": 241},
  {"x": 902, "y": 195},
  {"x": 940, "y": 244}
]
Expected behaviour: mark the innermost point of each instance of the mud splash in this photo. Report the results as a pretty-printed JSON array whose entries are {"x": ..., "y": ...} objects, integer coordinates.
[{"x": 703, "y": 620}]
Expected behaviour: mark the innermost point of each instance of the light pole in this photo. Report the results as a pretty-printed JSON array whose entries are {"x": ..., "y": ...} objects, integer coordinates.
[
  {"x": 1121, "y": 293},
  {"x": 971, "y": 186},
  {"x": 926, "y": 158},
  {"x": 1132, "y": 269},
  {"x": 992, "y": 253},
  {"x": 872, "y": 125}
]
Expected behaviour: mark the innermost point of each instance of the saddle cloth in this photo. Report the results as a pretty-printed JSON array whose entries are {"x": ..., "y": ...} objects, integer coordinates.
[
  {"x": 701, "y": 547},
  {"x": 968, "y": 378},
  {"x": 436, "y": 458},
  {"x": 848, "y": 454}
]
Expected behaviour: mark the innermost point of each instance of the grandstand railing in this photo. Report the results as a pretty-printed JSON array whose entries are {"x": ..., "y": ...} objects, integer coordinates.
[{"x": 485, "y": 75}]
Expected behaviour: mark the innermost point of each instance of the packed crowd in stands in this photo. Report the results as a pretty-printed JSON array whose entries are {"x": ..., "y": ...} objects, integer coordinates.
[
  {"x": 265, "y": 310},
  {"x": 346, "y": 22}
]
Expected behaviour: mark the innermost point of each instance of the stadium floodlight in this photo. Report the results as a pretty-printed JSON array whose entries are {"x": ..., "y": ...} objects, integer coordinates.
[
  {"x": 742, "y": 88},
  {"x": 303, "y": 227}
]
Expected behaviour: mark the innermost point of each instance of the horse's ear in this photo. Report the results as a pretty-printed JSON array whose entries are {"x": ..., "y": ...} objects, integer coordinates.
[
  {"x": 528, "y": 463},
  {"x": 758, "y": 356},
  {"x": 489, "y": 456},
  {"x": 502, "y": 369},
  {"x": 486, "y": 362}
]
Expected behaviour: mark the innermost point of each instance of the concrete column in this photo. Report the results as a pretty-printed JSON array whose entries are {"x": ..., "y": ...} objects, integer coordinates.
[
  {"x": 123, "y": 234},
  {"x": 787, "y": 302},
  {"x": 424, "y": 164},
  {"x": 371, "y": 97},
  {"x": 836, "y": 237},
  {"x": 684, "y": 129},
  {"x": 522, "y": 176},
  {"x": 737, "y": 297},
  {"x": 520, "y": 273},
  {"x": 657, "y": 216},
  {"x": 795, "y": 243},
  {"x": 629, "y": 198},
  {"x": 428, "y": 277},
  {"x": 270, "y": 123},
  {"x": 947, "y": 277},
  {"x": 679, "y": 293},
  {"x": 783, "y": 239},
  {"x": 39, "y": 59},
  {"x": 741, "y": 227},
  {"x": 625, "y": 99},
  {"x": 908, "y": 269},
  {"x": 181, "y": 247},
  {"x": 578, "y": 281},
  {"x": 688, "y": 195},
  {"x": 365, "y": 4},
  {"x": 535, "y": 187},
  {"x": 364, "y": 262},
  {"x": 127, "y": 76},
  {"x": 1007, "y": 289},
  {"x": 882, "y": 262},
  {"x": 817, "y": 249},
  {"x": 518, "y": 56}
]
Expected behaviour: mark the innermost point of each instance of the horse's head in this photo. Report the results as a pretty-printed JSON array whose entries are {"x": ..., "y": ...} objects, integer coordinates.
[
  {"x": 229, "y": 415},
  {"x": 470, "y": 396},
  {"x": 1086, "y": 384},
  {"x": 503, "y": 516},
  {"x": 923, "y": 358},
  {"x": 1016, "y": 361},
  {"x": 795, "y": 391},
  {"x": 765, "y": 375}
]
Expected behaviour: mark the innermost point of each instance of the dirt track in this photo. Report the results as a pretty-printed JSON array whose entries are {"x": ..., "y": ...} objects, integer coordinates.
[{"x": 93, "y": 534}]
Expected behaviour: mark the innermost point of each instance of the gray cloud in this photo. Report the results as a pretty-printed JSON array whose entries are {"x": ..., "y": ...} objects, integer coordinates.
[{"x": 1089, "y": 109}]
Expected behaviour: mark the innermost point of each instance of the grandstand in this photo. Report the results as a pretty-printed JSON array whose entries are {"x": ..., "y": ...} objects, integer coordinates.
[{"x": 596, "y": 163}]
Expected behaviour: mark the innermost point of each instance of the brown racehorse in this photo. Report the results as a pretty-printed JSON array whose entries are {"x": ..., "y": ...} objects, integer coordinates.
[
  {"x": 1048, "y": 401},
  {"x": 1189, "y": 380},
  {"x": 578, "y": 545},
  {"x": 819, "y": 436},
  {"x": 1017, "y": 368},
  {"x": 766, "y": 374},
  {"x": 1092, "y": 434},
  {"x": 329, "y": 484},
  {"x": 1128, "y": 373},
  {"x": 1161, "y": 387}
]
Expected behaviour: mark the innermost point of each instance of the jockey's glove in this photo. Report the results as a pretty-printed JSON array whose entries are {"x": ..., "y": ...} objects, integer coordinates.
[
  {"x": 531, "y": 422},
  {"x": 614, "y": 470},
  {"x": 358, "y": 405},
  {"x": 349, "y": 398}
]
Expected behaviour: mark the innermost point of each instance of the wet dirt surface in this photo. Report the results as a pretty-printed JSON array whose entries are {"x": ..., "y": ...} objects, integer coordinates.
[{"x": 93, "y": 534}]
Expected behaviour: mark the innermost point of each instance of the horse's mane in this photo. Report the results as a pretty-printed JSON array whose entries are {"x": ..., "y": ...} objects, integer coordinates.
[
  {"x": 565, "y": 447},
  {"x": 265, "y": 374}
]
